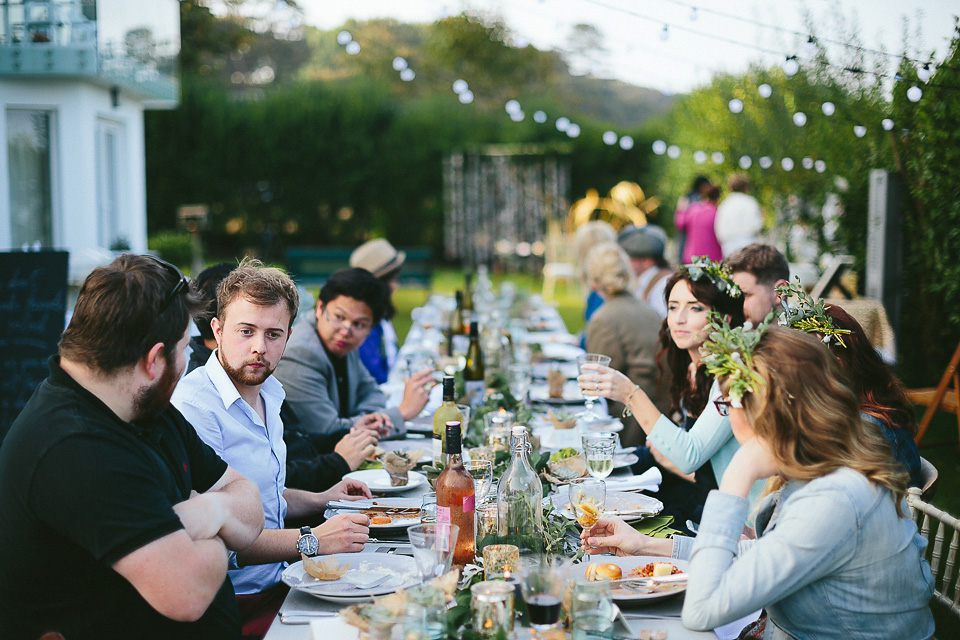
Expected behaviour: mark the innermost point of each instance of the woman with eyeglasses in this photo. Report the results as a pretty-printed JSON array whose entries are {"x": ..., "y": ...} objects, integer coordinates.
[
  {"x": 837, "y": 554},
  {"x": 694, "y": 450}
]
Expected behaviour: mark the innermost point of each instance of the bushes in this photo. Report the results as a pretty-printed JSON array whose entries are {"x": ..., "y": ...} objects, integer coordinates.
[{"x": 172, "y": 246}]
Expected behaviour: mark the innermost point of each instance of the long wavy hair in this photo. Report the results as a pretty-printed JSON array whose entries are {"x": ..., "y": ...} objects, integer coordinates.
[
  {"x": 692, "y": 395},
  {"x": 809, "y": 416},
  {"x": 881, "y": 393}
]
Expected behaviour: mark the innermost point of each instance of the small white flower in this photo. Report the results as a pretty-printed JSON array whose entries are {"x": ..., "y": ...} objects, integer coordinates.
[
  {"x": 747, "y": 326},
  {"x": 826, "y": 339},
  {"x": 735, "y": 356}
]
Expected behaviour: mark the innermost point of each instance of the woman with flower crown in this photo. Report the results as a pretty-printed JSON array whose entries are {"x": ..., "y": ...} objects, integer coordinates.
[
  {"x": 701, "y": 445},
  {"x": 837, "y": 555}
]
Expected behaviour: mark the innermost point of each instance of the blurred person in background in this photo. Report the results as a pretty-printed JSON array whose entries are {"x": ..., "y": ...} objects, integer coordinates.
[
  {"x": 586, "y": 237},
  {"x": 739, "y": 219},
  {"x": 645, "y": 247},
  {"x": 698, "y": 191},
  {"x": 378, "y": 353},
  {"x": 697, "y": 222}
]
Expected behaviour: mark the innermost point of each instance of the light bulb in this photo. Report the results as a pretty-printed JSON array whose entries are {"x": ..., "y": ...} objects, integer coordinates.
[
  {"x": 914, "y": 94},
  {"x": 512, "y": 106},
  {"x": 517, "y": 116},
  {"x": 765, "y": 162},
  {"x": 466, "y": 97},
  {"x": 764, "y": 90},
  {"x": 673, "y": 151},
  {"x": 659, "y": 147},
  {"x": 540, "y": 116},
  {"x": 353, "y": 47},
  {"x": 735, "y": 105},
  {"x": 820, "y": 166},
  {"x": 664, "y": 33},
  {"x": 460, "y": 85},
  {"x": 573, "y": 130},
  {"x": 609, "y": 137},
  {"x": 887, "y": 124},
  {"x": 562, "y": 123},
  {"x": 787, "y": 164},
  {"x": 716, "y": 157},
  {"x": 626, "y": 143},
  {"x": 810, "y": 48},
  {"x": 344, "y": 37},
  {"x": 699, "y": 156},
  {"x": 807, "y": 162},
  {"x": 745, "y": 162},
  {"x": 790, "y": 66},
  {"x": 407, "y": 75},
  {"x": 859, "y": 130},
  {"x": 923, "y": 73},
  {"x": 828, "y": 108},
  {"x": 799, "y": 118},
  {"x": 399, "y": 63}
]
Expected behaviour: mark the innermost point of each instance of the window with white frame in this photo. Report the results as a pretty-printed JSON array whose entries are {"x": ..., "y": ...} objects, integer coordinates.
[{"x": 29, "y": 148}]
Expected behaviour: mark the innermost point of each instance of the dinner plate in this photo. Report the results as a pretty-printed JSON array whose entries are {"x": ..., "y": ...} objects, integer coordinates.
[
  {"x": 396, "y": 522},
  {"x": 619, "y": 592},
  {"x": 402, "y": 569},
  {"x": 377, "y": 506},
  {"x": 621, "y": 460},
  {"x": 635, "y": 506},
  {"x": 540, "y": 369},
  {"x": 540, "y": 393},
  {"x": 379, "y": 480}
]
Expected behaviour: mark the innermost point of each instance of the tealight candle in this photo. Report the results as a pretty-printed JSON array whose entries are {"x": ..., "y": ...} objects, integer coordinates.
[
  {"x": 500, "y": 560},
  {"x": 492, "y": 603}
]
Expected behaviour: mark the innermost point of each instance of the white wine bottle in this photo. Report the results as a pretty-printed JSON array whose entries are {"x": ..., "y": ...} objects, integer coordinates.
[
  {"x": 447, "y": 412},
  {"x": 473, "y": 373}
]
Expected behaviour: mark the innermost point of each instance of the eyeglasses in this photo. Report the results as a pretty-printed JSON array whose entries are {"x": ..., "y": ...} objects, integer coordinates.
[
  {"x": 723, "y": 405},
  {"x": 358, "y": 327},
  {"x": 182, "y": 283}
]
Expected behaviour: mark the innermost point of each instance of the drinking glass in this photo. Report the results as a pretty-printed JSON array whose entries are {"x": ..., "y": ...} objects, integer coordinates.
[
  {"x": 519, "y": 375},
  {"x": 406, "y": 623},
  {"x": 433, "y": 546},
  {"x": 587, "y": 498},
  {"x": 598, "y": 451},
  {"x": 465, "y": 412},
  {"x": 495, "y": 419},
  {"x": 428, "y": 508},
  {"x": 482, "y": 473},
  {"x": 544, "y": 581},
  {"x": 592, "y": 610},
  {"x": 431, "y": 598},
  {"x": 589, "y": 389}
]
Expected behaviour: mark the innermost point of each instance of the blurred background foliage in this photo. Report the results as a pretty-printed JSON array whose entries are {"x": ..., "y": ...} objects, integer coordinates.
[{"x": 290, "y": 141}]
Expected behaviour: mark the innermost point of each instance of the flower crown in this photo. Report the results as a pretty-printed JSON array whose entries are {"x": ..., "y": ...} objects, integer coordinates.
[
  {"x": 806, "y": 315},
  {"x": 728, "y": 353},
  {"x": 719, "y": 275}
]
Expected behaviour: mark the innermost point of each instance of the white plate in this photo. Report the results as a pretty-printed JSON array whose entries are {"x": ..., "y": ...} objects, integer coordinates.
[
  {"x": 379, "y": 480},
  {"x": 571, "y": 394},
  {"x": 615, "y": 504},
  {"x": 621, "y": 460},
  {"x": 540, "y": 369},
  {"x": 396, "y": 523},
  {"x": 626, "y": 564},
  {"x": 403, "y": 569}
]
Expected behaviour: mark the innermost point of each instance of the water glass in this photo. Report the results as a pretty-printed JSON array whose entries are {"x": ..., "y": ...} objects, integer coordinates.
[
  {"x": 433, "y": 601},
  {"x": 487, "y": 519},
  {"x": 433, "y": 546},
  {"x": 592, "y": 610},
  {"x": 482, "y": 473},
  {"x": 598, "y": 451},
  {"x": 519, "y": 374},
  {"x": 465, "y": 412},
  {"x": 428, "y": 508},
  {"x": 404, "y": 623},
  {"x": 587, "y": 498},
  {"x": 589, "y": 389},
  {"x": 498, "y": 438},
  {"x": 497, "y": 419}
]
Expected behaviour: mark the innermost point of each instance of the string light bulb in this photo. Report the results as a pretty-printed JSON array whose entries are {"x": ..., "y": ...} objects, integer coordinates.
[
  {"x": 859, "y": 130},
  {"x": 820, "y": 166},
  {"x": 790, "y": 66},
  {"x": 764, "y": 90},
  {"x": 609, "y": 137},
  {"x": 810, "y": 48},
  {"x": 399, "y": 63},
  {"x": 924, "y": 73},
  {"x": 799, "y": 118},
  {"x": 887, "y": 124},
  {"x": 745, "y": 162},
  {"x": 539, "y": 116},
  {"x": 659, "y": 147},
  {"x": 735, "y": 105},
  {"x": 573, "y": 130},
  {"x": 766, "y": 162},
  {"x": 353, "y": 47},
  {"x": 407, "y": 75},
  {"x": 460, "y": 85},
  {"x": 465, "y": 97},
  {"x": 673, "y": 152},
  {"x": 344, "y": 37},
  {"x": 562, "y": 123},
  {"x": 807, "y": 162},
  {"x": 699, "y": 156},
  {"x": 716, "y": 157},
  {"x": 828, "y": 108},
  {"x": 512, "y": 106},
  {"x": 787, "y": 164},
  {"x": 914, "y": 93},
  {"x": 626, "y": 143}
]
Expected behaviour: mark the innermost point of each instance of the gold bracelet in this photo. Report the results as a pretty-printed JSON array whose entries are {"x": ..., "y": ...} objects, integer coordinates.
[{"x": 626, "y": 405}]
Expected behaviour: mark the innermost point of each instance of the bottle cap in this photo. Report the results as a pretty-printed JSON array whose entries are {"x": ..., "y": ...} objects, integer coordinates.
[
  {"x": 453, "y": 437},
  {"x": 519, "y": 430},
  {"x": 474, "y": 329},
  {"x": 448, "y": 386}
]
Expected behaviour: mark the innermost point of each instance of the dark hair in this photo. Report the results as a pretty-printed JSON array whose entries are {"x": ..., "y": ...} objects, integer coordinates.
[
  {"x": 206, "y": 283},
  {"x": 880, "y": 392},
  {"x": 763, "y": 261},
  {"x": 693, "y": 399},
  {"x": 124, "y": 309},
  {"x": 388, "y": 309},
  {"x": 698, "y": 182},
  {"x": 713, "y": 194},
  {"x": 263, "y": 286},
  {"x": 359, "y": 284}
]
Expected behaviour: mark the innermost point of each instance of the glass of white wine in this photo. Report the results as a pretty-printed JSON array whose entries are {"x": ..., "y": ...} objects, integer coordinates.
[
  {"x": 589, "y": 389},
  {"x": 482, "y": 473},
  {"x": 599, "y": 448},
  {"x": 587, "y": 499}
]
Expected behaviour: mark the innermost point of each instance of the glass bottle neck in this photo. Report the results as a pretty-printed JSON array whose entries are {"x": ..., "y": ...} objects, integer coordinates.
[{"x": 454, "y": 459}]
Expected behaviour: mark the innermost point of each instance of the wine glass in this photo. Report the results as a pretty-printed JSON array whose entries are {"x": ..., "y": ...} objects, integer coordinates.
[
  {"x": 598, "y": 451},
  {"x": 544, "y": 581},
  {"x": 520, "y": 374},
  {"x": 589, "y": 389},
  {"x": 587, "y": 498},
  {"x": 482, "y": 473}
]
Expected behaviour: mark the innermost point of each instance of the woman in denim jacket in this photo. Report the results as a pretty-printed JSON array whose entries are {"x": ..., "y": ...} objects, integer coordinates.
[{"x": 836, "y": 555}]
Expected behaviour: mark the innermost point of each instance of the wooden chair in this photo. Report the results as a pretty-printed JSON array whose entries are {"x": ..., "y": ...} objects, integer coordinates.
[
  {"x": 944, "y": 396},
  {"x": 946, "y": 591}
]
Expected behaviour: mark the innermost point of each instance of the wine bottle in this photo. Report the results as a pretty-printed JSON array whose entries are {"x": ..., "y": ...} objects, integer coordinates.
[
  {"x": 447, "y": 412},
  {"x": 473, "y": 373},
  {"x": 456, "y": 318},
  {"x": 520, "y": 500},
  {"x": 455, "y": 497}
]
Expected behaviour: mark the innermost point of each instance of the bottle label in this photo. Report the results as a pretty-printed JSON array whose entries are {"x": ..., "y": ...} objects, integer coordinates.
[
  {"x": 437, "y": 449},
  {"x": 468, "y": 503},
  {"x": 443, "y": 514}
]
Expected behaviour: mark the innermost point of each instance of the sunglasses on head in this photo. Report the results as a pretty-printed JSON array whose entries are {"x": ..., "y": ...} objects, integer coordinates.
[{"x": 183, "y": 284}]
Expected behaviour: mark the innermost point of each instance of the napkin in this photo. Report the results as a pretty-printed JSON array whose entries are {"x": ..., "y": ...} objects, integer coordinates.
[
  {"x": 656, "y": 527},
  {"x": 649, "y": 480}
]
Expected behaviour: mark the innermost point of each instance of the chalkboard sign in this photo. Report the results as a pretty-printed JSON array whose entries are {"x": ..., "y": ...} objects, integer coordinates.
[{"x": 33, "y": 304}]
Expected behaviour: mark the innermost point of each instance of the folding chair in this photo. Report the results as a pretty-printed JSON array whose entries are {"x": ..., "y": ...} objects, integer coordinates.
[
  {"x": 944, "y": 396},
  {"x": 946, "y": 591}
]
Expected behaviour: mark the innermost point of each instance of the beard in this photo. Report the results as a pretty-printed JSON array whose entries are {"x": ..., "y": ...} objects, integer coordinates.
[
  {"x": 151, "y": 401},
  {"x": 244, "y": 376}
]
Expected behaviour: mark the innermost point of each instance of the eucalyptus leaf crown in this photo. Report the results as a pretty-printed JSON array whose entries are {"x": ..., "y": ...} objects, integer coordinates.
[
  {"x": 728, "y": 353},
  {"x": 808, "y": 316},
  {"x": 718, "y": 274}
]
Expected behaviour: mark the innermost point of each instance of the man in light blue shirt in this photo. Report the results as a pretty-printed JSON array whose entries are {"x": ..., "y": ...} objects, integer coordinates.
[{"x": 234, "y": 404}]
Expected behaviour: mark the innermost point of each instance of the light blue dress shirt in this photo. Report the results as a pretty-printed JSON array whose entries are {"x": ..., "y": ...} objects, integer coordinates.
[
  {"x": 210, "y": 402},
  {"x": 833, "y": 560}
]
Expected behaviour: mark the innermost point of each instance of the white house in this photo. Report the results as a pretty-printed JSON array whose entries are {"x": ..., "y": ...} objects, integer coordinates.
[{"x": 75, "y": 79}]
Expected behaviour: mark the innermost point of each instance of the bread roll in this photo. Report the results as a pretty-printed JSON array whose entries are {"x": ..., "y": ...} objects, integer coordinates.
[{"x": 600, "y": 572}]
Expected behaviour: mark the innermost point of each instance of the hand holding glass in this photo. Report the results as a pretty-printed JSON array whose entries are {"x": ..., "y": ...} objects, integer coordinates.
[{"x": 589, "y": 389}]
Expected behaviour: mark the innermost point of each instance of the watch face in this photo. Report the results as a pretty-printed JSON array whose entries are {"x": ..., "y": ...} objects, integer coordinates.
[{"x": 308, "y": 544}]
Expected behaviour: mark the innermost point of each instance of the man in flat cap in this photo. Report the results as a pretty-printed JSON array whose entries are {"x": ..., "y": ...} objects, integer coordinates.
[{"x": 645, "y": 246}]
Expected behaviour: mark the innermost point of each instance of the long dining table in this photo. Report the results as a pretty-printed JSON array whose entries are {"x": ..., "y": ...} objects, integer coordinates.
[{"x": 320, "y": 619}]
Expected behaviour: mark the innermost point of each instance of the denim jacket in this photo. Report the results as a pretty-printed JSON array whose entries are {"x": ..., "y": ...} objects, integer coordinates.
[{"x": 833, "y": 560}]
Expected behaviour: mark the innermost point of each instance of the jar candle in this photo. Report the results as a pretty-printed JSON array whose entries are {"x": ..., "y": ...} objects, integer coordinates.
[
  {"x": 500, "y": 560},
  {"x": 492, "y": 603}
]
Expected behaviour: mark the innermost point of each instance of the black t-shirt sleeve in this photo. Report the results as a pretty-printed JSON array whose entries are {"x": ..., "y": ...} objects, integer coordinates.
[
  {"x": 107, "y": 497},
  {"x": 206, "y": 467}
]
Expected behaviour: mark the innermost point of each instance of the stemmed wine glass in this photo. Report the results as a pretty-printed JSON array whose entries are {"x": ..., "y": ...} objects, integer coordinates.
[
  {"x": 587, "y": 498},
  {"x": 589, "y": 389},
  {"x": 482, "y": 472},
  {"x": 598, "y": 451}
]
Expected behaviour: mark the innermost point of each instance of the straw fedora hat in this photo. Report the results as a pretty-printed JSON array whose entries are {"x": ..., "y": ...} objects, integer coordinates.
[{"x": 377, "y": 256}]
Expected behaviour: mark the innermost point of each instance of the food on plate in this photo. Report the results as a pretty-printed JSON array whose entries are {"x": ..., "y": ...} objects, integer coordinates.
[
  {"x": 398, "y": 463},
  {"x": 599, "y": 572},
  {"x": 562, "y": 454},
  {"x": 562, "y": 420},
  {"x": 555, "y": 381},
  {"x": 376, "y": 453},
  {"x": 381, "y": 519},
  {"x": 647, "y": 570},
  {"x": 325, "y": 568},
  {"x": 359, "y": 615}
]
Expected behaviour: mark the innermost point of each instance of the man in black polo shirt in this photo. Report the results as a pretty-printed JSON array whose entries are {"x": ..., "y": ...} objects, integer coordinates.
[{"x": 115, "y": 518}]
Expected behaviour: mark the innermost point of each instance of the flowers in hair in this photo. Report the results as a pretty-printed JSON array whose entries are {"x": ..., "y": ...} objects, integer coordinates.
[
  {"x": 800, "y": 312},
  {"x": 719, "y": 275},
  {"x": 728, "y": 354}
]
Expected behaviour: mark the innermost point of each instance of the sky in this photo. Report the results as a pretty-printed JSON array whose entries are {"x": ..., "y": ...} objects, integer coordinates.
[{"x": 702, "y": 37}]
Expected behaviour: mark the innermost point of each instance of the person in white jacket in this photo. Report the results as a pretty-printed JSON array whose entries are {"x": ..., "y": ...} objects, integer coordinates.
[{"x": 739, "y": 219}]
